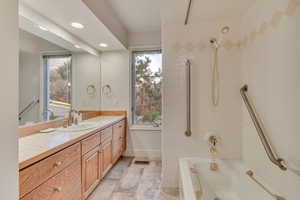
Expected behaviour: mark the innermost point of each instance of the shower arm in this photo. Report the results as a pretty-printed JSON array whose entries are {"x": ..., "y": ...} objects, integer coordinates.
[{"x": 260, "y": 130}]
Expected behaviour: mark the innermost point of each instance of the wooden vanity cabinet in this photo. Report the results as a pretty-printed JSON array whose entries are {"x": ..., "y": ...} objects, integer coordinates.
[{"x": 74, "y": 172}]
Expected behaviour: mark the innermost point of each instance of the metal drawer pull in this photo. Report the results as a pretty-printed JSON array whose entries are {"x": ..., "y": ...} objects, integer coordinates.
[
  {"x": 57, "y": 189},
  {"x": 57, "y": 164}
]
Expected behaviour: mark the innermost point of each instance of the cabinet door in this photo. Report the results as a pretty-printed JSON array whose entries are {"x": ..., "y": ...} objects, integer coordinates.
[
  {"x": 118, "y": 133},
  {"x": 91, "y": 171},
  {"x": 116, "y": 149},
  {"x": 123, "y": 145},
  {"x": 101, "y": 163},
  {"x": 107, "y": 156}
]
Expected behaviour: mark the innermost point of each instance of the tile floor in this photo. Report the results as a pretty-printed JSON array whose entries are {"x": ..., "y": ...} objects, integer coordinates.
[{"x": 131, "y": 181}]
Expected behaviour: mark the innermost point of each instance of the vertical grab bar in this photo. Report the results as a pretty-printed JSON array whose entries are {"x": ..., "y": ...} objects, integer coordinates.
[
  {"x": 188, "y": 131},
  {"x": 257, "y": 123}
]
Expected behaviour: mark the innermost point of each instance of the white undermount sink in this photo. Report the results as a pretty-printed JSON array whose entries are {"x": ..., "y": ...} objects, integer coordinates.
[{"x": 80, "y": 127}]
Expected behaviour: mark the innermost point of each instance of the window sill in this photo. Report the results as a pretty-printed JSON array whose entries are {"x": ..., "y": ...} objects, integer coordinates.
[{"x": 144, "y": 128}]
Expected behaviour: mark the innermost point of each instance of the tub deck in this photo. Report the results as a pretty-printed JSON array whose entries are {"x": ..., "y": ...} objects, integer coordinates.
[{"x": 229, "y": 182}]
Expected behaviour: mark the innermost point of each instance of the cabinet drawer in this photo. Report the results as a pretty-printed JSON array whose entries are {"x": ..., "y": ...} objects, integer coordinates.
[
  {"x": 90, "y": 143},
  {"x": 63, "y": 186},
  {"x": 38, "y": 173},
  {"x": 106, "y": 134}
]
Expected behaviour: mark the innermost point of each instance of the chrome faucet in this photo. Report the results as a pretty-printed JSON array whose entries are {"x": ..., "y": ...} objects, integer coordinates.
[
  {"x": 71, "y": 118},
  {"x": 213, "y": 140}
]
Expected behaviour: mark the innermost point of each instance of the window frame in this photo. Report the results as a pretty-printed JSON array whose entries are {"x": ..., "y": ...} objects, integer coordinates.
[
  {"x": 135, "y": 126},
  {"x": 44, "y": 95}
]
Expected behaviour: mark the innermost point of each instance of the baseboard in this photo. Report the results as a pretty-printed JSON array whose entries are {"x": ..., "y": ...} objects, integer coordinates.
[{"x": 149, "y": 154}]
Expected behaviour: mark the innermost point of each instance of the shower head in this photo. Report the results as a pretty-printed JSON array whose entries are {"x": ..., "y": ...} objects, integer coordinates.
[{"x": 225, "y": 29}]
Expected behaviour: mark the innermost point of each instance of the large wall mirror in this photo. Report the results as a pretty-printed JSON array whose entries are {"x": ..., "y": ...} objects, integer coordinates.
[{"x": 54, "y": 76}]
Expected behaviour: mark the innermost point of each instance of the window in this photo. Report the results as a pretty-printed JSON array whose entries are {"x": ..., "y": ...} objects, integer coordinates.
[
  {"x": 146, "y": 88},
  {"x": 57, "y": 86}
]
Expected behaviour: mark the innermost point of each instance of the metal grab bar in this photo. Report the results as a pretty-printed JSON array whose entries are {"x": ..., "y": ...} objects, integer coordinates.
[
  {"x": 258, "y": 125},
  {"x": 251, "y": 175},
  {"x": 28, "y": 107},
  {"x": 188, "y": 131}
]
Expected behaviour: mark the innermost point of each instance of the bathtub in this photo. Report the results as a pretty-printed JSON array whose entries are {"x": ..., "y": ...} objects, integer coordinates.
[{"x": 198, "y": 182}]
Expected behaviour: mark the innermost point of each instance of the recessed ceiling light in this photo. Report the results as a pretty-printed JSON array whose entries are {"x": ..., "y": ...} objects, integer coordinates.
[
  {"x": 43, "y": 28},
  {"x": 103, "y": 45},
  {"x": 77, "y": 46},
  {"x": 77, "y": 25}
]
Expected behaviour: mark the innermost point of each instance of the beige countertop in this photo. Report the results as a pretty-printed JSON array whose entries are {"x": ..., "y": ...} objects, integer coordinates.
[{"x": 41, "y": 145}]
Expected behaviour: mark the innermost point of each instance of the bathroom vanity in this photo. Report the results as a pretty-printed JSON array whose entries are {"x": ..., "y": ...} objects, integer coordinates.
[{"x": 69, "y": 165}]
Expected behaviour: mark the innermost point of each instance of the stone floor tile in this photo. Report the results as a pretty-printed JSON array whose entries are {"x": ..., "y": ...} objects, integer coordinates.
[
  {"x": 104, "y": 191},
  {"x": 130, "y": 181}
]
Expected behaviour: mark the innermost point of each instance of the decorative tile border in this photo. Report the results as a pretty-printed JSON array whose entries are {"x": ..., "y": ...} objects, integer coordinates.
[{"x": 250, "y": 37}]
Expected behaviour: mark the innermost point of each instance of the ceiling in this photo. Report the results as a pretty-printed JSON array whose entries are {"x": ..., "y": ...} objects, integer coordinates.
[
  {"x": 138, "y": 15},
  {"x": 63, "y": 12},
  {"x": 31, "y": 27},
  {"x": 175, "y": 10},
  {"x": 101, "y": 21}
]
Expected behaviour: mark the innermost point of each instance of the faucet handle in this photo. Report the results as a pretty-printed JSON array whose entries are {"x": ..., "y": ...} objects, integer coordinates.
[{"x": 213, "y": 140}]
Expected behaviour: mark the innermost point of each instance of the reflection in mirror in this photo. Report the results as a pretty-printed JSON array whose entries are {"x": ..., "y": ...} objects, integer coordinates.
[
  {"x": 44, "y": 79},
  {"x": 57, "y": 86},
  {"x": 55, "y": 76}
]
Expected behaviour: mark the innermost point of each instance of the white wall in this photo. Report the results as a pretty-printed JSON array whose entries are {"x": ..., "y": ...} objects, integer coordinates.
[
  {"x": 145, "y": 39},
  {"x": 31, "y": 48},
  {"x": 115, "y": 67},
  {"x": 9, "y": 99},
  {"x": 115, "y": 72},
  {"x": 86, "y": 71},
  {"x": 192, "y": 42},
  {"x": 271, "y": 69}
]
